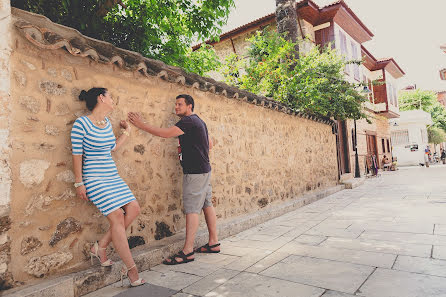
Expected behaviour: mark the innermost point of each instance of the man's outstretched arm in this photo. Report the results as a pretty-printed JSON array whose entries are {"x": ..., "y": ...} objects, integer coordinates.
[{"x": 137, "y": 121}]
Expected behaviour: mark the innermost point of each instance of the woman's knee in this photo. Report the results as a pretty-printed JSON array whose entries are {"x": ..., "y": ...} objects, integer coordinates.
[
  {"x": 116, "y": 217},
  {"x": 133, "y": 208}
]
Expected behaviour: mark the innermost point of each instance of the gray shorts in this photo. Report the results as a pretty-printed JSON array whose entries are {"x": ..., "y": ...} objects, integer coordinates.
[{"x": 197, "y": 192}]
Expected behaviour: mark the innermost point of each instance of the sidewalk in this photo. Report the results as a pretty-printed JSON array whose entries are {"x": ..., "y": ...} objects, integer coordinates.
[{"x": 386, "y": 238}]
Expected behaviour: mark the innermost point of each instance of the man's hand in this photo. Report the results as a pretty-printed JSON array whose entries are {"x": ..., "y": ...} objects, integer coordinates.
[
  {"x": 136, "y": 119},
  {"x": 82, "y": 192}
]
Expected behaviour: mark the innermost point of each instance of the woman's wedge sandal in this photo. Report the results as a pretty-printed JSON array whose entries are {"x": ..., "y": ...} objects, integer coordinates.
[
  {"x": 208, "y": 249},
  {"x": 182, "y": 256}
]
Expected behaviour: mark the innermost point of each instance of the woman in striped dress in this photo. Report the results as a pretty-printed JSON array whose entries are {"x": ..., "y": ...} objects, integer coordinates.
[{"x": 97, "y": 178}]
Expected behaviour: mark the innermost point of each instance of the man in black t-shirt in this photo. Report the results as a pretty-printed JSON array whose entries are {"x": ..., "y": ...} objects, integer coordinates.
[{"x": 193, "y": 152}]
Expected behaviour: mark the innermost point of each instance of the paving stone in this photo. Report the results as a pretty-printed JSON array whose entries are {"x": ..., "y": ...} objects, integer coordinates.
[
  {"x": 392, "y": 283},
  {"x": 270, "y": 245},
  {"x": 272, "y": 230},
  {"x": 337, "y": 254},
  {"x": 196, "y": 267},
  {"x": 254, "y": 285},
  {"x": 229, "y": 249},
  {"x": 109, "y": 291},
  {"x": 217, "y": 259},
  {"x": 310, "y": 239},
  {"x": 183, "y": 295},
  {"x": 330, "y": 293},
  {"x": 333, "y": 232},
  {"x": 248, "y": 260},
  {"x": 439, "y": 252},
  {"x": 210, "y": 282},
  {"x": 333, "y": 275},
  {"x": 169, "y": 279},
  {"x": 147, "y": 290},
  {"x": 419, "y": 250},
  {"x": 440, "y": 229},
  {"x": 421, "y": 265},
  {"x": 267, "y": 262},
  {"x": 261, "y": 237},
  {"x": 415, "y": 227},
  {"x": 404, "y": 237}
]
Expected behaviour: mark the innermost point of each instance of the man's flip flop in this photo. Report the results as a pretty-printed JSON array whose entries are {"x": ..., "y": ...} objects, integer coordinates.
[
  {"x": 208, "y": 249},
  {"x": 181, "y": 255}
]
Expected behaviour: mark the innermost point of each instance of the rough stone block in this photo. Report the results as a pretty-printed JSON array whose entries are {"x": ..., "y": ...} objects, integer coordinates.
[
  {"x": 30, "y": 104},
  {"x": 66, "y": 176},
  {"x": 30, "y": 244},
  {"x": 20, "y": 78},
  {"x": 32, "y": 172},
  {"x": 41, "y": 266},
  {"x": 52, "y": 88},
  {"x": 65, "y": 228},
  {"x": 51, "y": 130}
]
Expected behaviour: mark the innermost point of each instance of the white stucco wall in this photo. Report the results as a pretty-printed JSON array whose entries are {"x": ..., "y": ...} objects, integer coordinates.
[{"x": 415, "y": 122}]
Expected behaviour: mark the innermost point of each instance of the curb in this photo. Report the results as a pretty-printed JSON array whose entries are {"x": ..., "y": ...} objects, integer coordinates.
[
  {"x": 354, "y": 182},
  {"x": 89, "y": 280}
]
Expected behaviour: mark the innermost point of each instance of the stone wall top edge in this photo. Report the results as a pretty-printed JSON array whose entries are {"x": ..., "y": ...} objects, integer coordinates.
[{"x": 44, "y": 34}]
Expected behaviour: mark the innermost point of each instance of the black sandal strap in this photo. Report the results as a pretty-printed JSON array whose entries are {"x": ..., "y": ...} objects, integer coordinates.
[
  {"x": 213, "y": 246},
  {"x": 184, "y": 256}
]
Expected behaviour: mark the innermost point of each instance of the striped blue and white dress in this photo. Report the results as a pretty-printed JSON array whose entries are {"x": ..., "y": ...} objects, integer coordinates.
[{"x": 105, "y": 188}]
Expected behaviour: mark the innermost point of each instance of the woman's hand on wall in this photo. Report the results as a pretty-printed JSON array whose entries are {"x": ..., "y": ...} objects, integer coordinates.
[
  {"x": 136, "y": 119},
  {"x": 82, "y": 192}
]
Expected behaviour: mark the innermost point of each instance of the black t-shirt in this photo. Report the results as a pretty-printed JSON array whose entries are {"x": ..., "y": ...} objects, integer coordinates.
[{"x": 193, "y": 150}]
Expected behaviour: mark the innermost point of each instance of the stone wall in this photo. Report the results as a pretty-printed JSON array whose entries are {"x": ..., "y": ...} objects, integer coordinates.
[
  {"x": 261, "y": 157},
  {"x": 5, "y": 165}
]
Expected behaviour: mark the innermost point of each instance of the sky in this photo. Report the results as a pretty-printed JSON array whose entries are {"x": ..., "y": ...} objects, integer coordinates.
[{"x": 409, "y": 33}]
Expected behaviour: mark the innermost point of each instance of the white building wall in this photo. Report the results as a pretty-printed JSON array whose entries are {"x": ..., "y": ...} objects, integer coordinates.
[{"x": 415, "y": 122}]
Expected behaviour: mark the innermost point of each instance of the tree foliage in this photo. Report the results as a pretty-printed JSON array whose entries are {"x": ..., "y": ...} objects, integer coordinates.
[
  {"x": 417, "y": 99},
  {"x": 436, "y": 135},
  {"x": 424, "y": 100},
  {"x": 159, "y": 29},
  {"x": 314, "y": 82}
]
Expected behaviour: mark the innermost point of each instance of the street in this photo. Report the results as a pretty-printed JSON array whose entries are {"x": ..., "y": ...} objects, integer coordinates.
[{"x": 386, "y": 238}]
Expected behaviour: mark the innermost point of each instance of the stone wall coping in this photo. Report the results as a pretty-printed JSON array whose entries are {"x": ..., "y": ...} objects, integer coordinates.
[
  {"x": 92, "y": 279},
  {"x": 43, "y": 33}
]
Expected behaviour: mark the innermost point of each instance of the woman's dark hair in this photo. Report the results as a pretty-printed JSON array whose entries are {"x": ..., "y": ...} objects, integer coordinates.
[
  {"x": 91, "y": 96},
  {"x": 188, "y": 99}
]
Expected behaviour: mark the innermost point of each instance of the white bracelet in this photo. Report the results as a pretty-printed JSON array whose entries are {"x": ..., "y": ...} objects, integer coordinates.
[
  {"x": 125, "y": 132},
  {"x": 77, "y": 185}
]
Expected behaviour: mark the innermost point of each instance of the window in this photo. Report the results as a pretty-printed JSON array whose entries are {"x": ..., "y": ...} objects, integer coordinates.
[
  {"x": 343, "y": 43},
  {"x": 395, "y": 96},
  {"x": 388, "y": 146},
  {"x": 355, "y": 56},
  {"x": 383, "y": 145},
  {"x": 389, "y": 93},
  {"x": 400, "y": 137}
]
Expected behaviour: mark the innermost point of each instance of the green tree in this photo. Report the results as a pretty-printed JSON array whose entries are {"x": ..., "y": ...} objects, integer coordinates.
[
  {"x": 159, "y": 29},
  {"x": 313, "y": 82},
  {"x": 417, "y": 99},
  {"x": 436, "y": 135},
  {"x": 427, "y": 101}
]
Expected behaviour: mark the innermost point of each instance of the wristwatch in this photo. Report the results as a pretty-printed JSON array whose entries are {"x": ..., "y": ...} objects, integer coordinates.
[{"x": 77, "y": 185}]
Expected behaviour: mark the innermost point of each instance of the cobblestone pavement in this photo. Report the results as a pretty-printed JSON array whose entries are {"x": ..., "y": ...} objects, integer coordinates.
[{"x": 386, "y": 238}]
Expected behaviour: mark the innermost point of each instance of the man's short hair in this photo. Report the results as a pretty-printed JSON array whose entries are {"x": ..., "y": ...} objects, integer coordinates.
[{"x": 188, "y": 99}]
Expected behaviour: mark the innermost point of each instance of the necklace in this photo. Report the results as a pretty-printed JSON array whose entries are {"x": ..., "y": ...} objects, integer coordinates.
[{"x": 100, "y": 123}]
